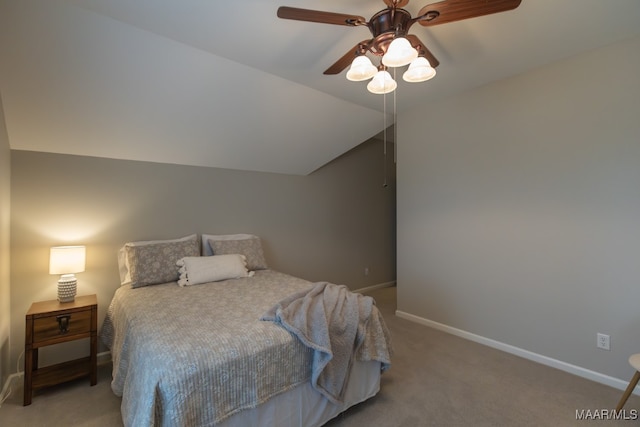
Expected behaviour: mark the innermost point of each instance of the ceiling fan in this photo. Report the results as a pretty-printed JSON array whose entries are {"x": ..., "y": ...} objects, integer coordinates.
[{"x": 395, "y": 22}]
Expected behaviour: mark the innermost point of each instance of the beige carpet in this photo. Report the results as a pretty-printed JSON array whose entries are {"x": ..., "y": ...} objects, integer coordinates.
[{"x": 436, "y": 380}]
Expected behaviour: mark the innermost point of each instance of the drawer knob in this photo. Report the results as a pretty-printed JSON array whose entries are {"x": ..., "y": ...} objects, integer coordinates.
[{"x": 63, "y": 323}]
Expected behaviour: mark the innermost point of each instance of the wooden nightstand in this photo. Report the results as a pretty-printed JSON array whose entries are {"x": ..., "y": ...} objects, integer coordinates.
[{"x": 53, "y": 322}]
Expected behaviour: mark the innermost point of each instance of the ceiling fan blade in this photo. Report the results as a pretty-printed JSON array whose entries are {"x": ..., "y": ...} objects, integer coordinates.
[
  {"x": 422, "y": 50},
  {"x": 297, "y": 14},
  {"x": 457, "y": 10},
  {"x": 348, "y": 57}
]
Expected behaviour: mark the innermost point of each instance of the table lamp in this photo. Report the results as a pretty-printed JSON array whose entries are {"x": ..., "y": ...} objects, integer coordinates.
[{"x": 67, "y": 260}]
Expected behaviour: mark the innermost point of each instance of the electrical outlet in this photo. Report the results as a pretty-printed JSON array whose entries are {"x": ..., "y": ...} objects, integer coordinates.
[
  {"x": 366, "y": 271},
  {"x": 603, "y": 342}
]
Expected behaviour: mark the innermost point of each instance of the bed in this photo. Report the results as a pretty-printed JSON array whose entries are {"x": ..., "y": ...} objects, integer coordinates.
[{"x": 206, "y": 353}]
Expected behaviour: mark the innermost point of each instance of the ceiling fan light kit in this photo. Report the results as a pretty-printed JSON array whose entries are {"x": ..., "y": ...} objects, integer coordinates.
[{"x": 391, "y": 39}]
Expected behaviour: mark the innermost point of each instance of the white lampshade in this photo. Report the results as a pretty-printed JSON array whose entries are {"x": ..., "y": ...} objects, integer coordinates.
[
  {"x": 381, "y": 83},
  {"x": 67, "y": 260},
  {"x": 361, "y": 69},
  {"x": 399, "y": 53},
  {"x": 419, "y": 71}
]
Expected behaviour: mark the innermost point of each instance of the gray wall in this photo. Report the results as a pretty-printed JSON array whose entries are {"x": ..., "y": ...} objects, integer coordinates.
[
  {"x": 328, "y": 225},
  {"x": 519, "y": 210},
  {"x": 5, "y": 206}
]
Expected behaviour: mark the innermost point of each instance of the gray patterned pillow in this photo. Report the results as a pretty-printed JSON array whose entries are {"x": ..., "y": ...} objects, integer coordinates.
[
  {"x": 250, "y": 247},
  {"x": 156, "y": 263}
]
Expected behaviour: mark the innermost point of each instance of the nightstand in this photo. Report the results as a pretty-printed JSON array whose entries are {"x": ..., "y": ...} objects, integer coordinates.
[{"x": 53, "y": 322}]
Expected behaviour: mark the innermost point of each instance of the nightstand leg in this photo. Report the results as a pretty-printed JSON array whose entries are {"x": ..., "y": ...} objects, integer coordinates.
[
  {"x": 28, "y": 374},
  {"x": 93, "y": 351},
  {"x": 94, "y": 360}
]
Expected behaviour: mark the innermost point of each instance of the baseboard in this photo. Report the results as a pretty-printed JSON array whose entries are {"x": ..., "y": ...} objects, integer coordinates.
[
  {"x": 6, "y": 390},
  {"x": 10, "y": 385},
  {"x": 104, "y": 357},
  {"x": 539, "y": 358},
  {"x": 374, "y": 287}
]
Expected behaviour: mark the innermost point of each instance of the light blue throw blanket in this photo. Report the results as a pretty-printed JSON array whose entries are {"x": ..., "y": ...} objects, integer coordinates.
[{"x": 337, "y": 325}]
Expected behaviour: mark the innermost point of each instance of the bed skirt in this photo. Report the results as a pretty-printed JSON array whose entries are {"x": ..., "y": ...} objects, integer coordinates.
[{"x": 304, "y": 406}]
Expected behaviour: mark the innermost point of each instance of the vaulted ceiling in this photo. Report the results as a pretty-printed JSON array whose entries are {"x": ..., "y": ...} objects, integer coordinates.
[{"x": 230, "y": 85}]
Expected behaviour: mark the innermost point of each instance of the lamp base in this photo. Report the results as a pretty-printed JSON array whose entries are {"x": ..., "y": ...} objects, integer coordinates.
[{"x": 67, "y": 286}]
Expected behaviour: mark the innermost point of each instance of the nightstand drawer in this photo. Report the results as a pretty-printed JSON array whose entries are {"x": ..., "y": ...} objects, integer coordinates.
[{"x": 61, "y": 325}]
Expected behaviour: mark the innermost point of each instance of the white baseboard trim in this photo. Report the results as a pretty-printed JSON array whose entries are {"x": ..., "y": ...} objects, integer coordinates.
[
  {"x": 539, "y": 358},
  {"x": 10, "y": 385},
  {"x": 104, "y": 357},
  {"x": 374, "y": 287},
  {"x": 6, "y": 390}
]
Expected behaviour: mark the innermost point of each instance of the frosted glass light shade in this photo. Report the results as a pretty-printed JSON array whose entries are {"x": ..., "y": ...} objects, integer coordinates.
[
  {"x": 419, "y": 71},
  {"x": 381, "y": 83},
  {"x": 399, "y": 53},
  {"x": 361, "y": 69}
]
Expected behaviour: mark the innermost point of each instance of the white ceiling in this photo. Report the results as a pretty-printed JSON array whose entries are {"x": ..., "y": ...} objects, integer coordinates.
[{"x": 228, "y": 84}]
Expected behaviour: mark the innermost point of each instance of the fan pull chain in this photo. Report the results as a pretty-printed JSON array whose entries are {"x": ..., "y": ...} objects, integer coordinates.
[
  {"x": 395, "y": 123},
  {"x": 384, "y": 138}
]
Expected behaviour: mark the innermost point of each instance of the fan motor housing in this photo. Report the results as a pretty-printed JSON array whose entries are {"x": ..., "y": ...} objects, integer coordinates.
[
  {"x": 389, "y": 20},
  {"x": 386, "y": 25}
]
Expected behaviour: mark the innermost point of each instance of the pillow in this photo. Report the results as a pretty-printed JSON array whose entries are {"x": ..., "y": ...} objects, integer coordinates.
[
  {"x": 197, "y": 270},
  {"x": 154, "y": 261},
  {"x": 246, "y": 244}
]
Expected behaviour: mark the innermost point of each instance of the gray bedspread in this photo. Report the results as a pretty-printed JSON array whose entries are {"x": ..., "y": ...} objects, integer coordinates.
[
  {"x": 197, "y": 355},
  {"x": 339, "y": 326}
]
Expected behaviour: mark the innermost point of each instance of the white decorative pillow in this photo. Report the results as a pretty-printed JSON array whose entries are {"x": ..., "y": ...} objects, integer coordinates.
[
  {"x": 154, "y": 261},
  {"x": 248, "y": 245},
  {"x": 197, "y": 270}
]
